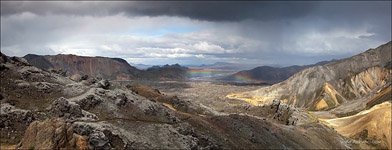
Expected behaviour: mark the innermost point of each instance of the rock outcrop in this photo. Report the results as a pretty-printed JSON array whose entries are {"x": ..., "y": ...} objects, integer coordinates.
[
  {"x": 52, "y": 134},
  {"x": 63, "y": 108},
  {"x": 282, "y": 112},
  {"x": 13, "y": 122}
]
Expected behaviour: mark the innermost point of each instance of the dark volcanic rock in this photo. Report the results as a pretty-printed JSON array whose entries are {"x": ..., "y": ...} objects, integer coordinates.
[
  {"x": 282, "y": 112},
  {"x": 89, "y": 102},
  {"x": 166, "y": 72},
  {"x": 105, "y": 84},
  {"x": 98, "y": 140},
  {"x": 13, "y": 122},
  {"x": 121, "y": 99},
  {"x": 63, "y": 108}
]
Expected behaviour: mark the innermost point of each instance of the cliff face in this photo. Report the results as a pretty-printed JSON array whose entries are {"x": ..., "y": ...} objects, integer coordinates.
[
  {"x": 108, "y": 68},
  {"x": 326, "y": 86}
]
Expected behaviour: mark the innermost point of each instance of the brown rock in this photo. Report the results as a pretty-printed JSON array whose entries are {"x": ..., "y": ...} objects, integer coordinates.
[{"x": 54, "y": 133}]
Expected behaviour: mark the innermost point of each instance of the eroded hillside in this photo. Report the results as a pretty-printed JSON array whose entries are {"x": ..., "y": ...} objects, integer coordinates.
[
  {"x": 351, "y": 78},
  {"x": 352, "y": 95}
]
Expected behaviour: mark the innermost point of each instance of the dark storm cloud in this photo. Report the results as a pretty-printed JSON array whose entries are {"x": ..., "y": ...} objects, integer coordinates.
[
  {"x": 201, "y": 10},
  {"x": 267, "y": 32}
]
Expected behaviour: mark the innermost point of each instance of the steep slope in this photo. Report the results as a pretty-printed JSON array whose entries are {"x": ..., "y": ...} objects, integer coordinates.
[
  {"x": 323, "y": 87},
  {"x": 264, "y": 74},
  {"x": 372, "y": 125},
  {"x": 108, "y": 68},
  {"x": 267, "y": 74}
]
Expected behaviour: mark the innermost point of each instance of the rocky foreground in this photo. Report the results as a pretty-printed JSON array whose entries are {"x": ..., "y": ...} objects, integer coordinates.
[{"x": 47, "y": 110}]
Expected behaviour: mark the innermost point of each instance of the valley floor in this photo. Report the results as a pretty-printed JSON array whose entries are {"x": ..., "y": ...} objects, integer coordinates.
[
  {"x": 207, "y": 94},
  {"x": 213, "y": 96}
]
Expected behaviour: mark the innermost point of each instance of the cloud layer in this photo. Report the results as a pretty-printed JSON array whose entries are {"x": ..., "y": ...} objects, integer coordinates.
[{"x": 281, "y": 33}]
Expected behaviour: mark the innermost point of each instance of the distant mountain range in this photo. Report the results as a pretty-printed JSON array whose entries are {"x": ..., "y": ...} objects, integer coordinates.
[
  {"x": 166, "y": 72},
  {"x": 104, "y": 67},
  {"x": 141, "y": 66},
  {"x": 223, "y": 66},
  {"x": 120, "y": 69},
  {"x": 267, "y": 74}
]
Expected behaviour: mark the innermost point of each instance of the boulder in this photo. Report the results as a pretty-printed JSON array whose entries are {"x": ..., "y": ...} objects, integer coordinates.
[
  {"x": 105, "y": 84},
  {"x": 63, "y": 108},
  {"x": 282, "y": 112},
  {"x": 99, "y": 137},
  {"x": 121, "y": 99},
  {"x": 59, "y": 72},
  {"x": 78, "y": 77},
  {"x": 89, "y": 102},
  {"x": 89, "y": 81},
  {"x": 98, "y": 140}
]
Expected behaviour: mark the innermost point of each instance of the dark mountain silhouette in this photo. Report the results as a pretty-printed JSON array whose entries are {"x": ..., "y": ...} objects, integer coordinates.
[
  {"x": 267, "y": 74},
  {"x": 104, "y": 67}
]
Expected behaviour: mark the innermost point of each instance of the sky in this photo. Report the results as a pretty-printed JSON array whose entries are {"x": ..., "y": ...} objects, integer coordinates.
[{"x": 196, "y": 32}]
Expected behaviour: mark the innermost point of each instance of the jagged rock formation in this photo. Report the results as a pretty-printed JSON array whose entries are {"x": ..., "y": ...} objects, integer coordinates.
[
  {"x": 282, "y": 112},
  {"x": 52, "y": 134},
  {"x": 326, "y": 86}
]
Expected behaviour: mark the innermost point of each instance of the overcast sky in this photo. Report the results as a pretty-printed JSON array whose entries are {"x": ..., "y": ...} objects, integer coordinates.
[{"x": 197, "y": 32}]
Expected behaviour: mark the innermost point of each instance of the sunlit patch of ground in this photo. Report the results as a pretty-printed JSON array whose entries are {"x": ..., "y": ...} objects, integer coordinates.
[
  {"x": 374, "y": 123},
  {"x": 6, "y": 146},
  {"x": 252, "y": 98},
  {"x": 249, "y": 99}
]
